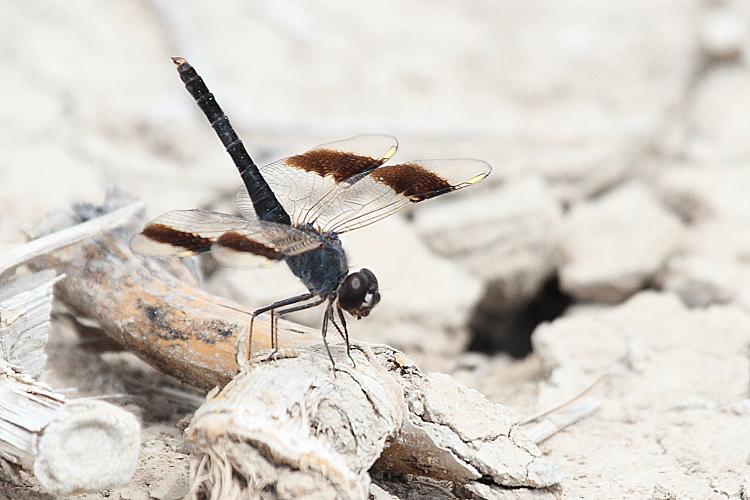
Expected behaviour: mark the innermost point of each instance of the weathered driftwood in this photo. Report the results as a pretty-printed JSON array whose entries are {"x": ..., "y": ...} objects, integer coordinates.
[
  {"x": 152, "y": 308},
  {"x": 69, "y": 446},
  {"x": 26, "y": 407},
  {"x": 25, "y": 305},
  {"x": 290, "y": 429},
  {"x": 25, "y": 302},
  {"x": 52, "y": 236},
  {"x": 291, "y": 424}
]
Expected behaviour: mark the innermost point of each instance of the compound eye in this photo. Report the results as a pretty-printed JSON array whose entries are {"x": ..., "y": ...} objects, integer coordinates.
[
  {"x": 372, "y": 281},
  {"x": 358, "y": 293}
]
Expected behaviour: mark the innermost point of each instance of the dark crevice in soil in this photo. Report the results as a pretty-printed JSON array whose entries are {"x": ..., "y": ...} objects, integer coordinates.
[{"x": 498, "y": 325}]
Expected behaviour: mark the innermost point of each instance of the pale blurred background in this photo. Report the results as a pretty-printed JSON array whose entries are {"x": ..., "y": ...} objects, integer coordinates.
[{"x": 618, "y": 133}]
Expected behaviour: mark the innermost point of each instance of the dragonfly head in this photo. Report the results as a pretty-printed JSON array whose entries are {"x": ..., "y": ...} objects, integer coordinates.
[{"x": 358, "y": 293}]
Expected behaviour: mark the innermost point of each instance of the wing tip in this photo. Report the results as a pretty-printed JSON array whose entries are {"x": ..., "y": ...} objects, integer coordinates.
[
  {"x": 392, "y": 151},
  {"x": 481, "y": 175}
]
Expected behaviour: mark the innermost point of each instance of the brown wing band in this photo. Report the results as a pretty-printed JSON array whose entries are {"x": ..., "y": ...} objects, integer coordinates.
[
  {"x": 161, "y": 233},
  {"x": 239, "y": 243},
  {"x": 413, "y": 181},
  {"x": 340, "y": 165}
]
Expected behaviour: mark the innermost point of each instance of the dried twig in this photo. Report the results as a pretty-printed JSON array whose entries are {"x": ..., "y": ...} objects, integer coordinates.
[
  {"x": 563, "y": 414},
  {"x": 39, "y": 430},
  {"x": 56, "y": 240},
  {"x": 25, "y": 305},
  {"x": 575, "y": 396},
  {"x": 44, "y": 434}
]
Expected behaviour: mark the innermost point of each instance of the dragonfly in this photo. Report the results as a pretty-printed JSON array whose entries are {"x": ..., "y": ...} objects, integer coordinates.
[{"x": 293, "y": 210}]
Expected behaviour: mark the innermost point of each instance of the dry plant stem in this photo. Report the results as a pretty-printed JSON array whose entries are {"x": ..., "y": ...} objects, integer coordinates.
[
  {"x": 73, "y": 234},
  {"x": 43, "y": 433},
  {"x": 25, "y": 305},
  {"x": 27, "y": 407},
  {"x": 562, "y": 418},
  {"x": 557, "y": 407}
]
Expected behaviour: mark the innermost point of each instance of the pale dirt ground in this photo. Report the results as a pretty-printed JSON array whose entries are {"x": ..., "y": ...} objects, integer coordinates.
[{"x": 619, "y": 134}]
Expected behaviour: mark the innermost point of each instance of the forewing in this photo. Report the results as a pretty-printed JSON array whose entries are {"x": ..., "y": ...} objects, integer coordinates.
[
  {"x": 182, "y": 233},
  {"x": 233, "y": 241},
  {"x": 388, "y": 189},
  {"x": 300, "y": 182}
]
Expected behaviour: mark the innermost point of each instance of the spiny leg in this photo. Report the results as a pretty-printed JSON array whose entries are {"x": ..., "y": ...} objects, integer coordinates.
[
  {"x": 244, "y": 338},
  {"x": 345, "y": 333},
  {"x": 329, "y": 312},
  {"x": 307, "y": 306},
  {"x": 274, "y": 332},
  {"x": 343, "y": 324},
  {"x": 249, "y": 342},
  {"x": 272, "y": 308},
  {"x": 302, "y": 306},
  {"x": 324, "y": 330}
]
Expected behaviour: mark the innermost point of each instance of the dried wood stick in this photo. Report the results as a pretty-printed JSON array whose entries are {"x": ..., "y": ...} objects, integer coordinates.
[
  {"x": 60, "y": 239},
  {"x": 176, "y": 328},
  {"x": 289, "y": 429},
  {"x": 45, "y": 435},
  {"x": 25, "y": 305},
  {"x": 39, "y": 430}
]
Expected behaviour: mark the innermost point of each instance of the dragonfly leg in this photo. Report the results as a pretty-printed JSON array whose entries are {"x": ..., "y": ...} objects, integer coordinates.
[
  {"x": 247, "y": 348},
  {"x": 342, "y": 330}
]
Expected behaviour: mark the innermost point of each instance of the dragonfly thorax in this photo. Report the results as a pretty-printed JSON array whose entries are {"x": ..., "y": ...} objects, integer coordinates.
[{"x": 322, "y": 269}]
